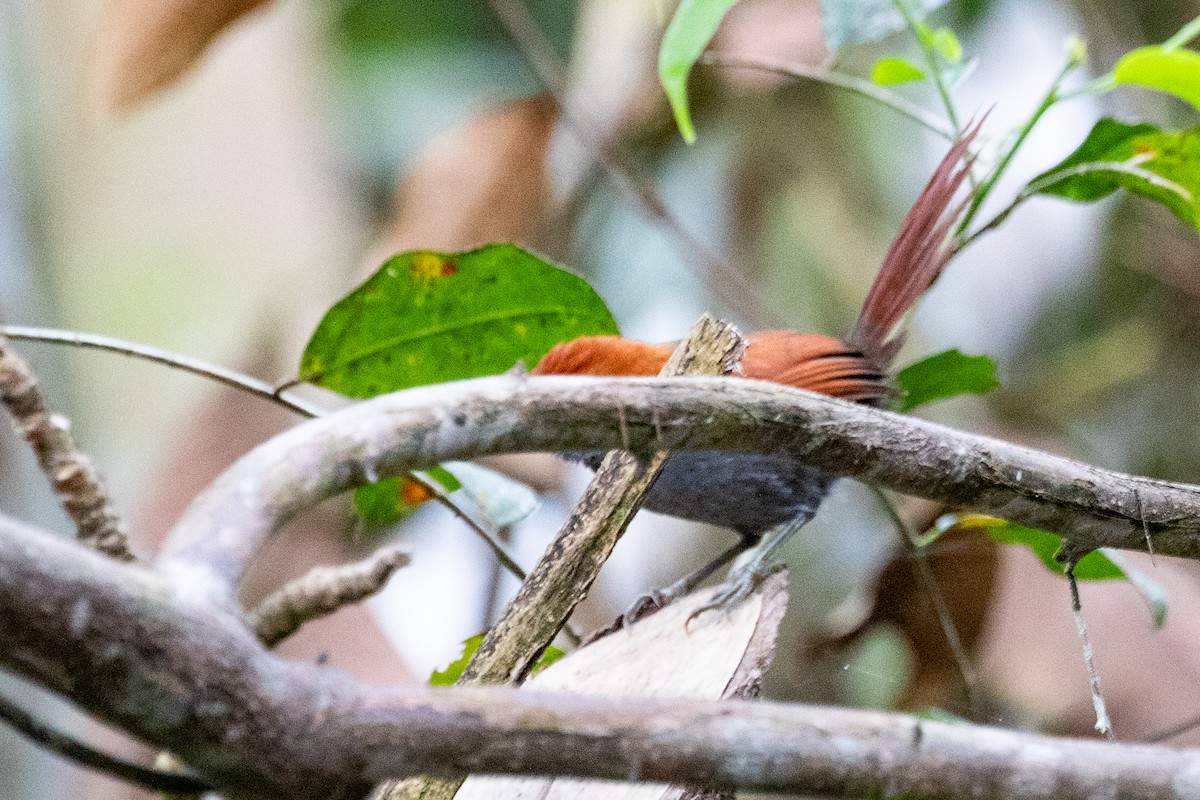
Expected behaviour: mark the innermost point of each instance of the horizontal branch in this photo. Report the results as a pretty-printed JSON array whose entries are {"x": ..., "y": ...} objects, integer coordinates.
[
  {"x": 188, "y": 677},
  {"x": 389, "y": 435}
]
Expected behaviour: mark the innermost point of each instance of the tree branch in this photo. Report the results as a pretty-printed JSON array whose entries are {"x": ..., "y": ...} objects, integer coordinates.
[
  {"x": 76, "y": 482},
  {"x": 389, "y": 435},
  {"x": 188, "y": 677},
  {"x": 323, "y": 590}
]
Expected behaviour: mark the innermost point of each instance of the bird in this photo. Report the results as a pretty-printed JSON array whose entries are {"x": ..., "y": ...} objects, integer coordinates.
[{"x": 767, "y": 498}]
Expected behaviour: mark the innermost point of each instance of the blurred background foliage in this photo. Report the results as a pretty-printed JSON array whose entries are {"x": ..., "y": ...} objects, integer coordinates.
[{"x": 222, "y": 216}]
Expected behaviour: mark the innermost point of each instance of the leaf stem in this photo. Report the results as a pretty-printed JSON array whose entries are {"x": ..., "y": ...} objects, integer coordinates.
[
  {"x": 931, "y": 58},
  {"x": 989, "y": 183},
  {"x": 1183, "y": 35},
  {"x": 858, "y": 86}
]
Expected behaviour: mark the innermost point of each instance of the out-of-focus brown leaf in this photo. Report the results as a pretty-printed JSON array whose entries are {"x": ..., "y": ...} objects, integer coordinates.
[
  {"x": 484, "y": 181},
  {"x": 964, "y": 565},
  {"x": 143, "y": 46}
]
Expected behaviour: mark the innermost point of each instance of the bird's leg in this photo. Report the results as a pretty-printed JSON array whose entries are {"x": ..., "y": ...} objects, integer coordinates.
[
  {"x": 749, "y": 575},
  {"x": 660, "y": 598}
]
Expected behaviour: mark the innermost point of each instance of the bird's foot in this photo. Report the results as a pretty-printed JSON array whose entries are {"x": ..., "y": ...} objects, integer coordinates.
[
  {"x": 656, "y": 600},
  {"x": 742, "y": 582}
]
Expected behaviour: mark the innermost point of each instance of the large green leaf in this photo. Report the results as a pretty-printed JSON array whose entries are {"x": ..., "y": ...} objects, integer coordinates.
[
  {"x": 690, "y": 31},
  {"x": 1159, "y": 165},
  {"x": 1168, "y": 70},
  {"x": 428, "y": 317},
  {"x": 945, "y": 375},
  {"x": 850, "y": 22}
]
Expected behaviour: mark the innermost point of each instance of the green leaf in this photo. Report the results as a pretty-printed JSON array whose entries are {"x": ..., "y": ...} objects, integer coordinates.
[
  {"x": 946, "y": 43},
  {"x": 1167, "y": 70},
  {"x": 1095, "y": 566},
  {"x": 446, "y": 478},
  {"x": 454, "y": 670},
  {"x": 390, "y": 500},
  {"x": 691, "y": 29},
  {"x": 1161, "y": 166},
  {"x": 945, "y": 375},
  {"x": 498, "y": 499},
  {"x": 428, "y": 317},
  {"x": 1098, "y": 565},
  {"x": 851, "y": 22},
  {"x": 891, "y": 71}
]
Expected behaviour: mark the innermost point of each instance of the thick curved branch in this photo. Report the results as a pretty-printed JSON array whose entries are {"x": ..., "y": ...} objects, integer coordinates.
[
  {"x": 389, "y": 435},
  {"x": 188, "y": 677}
]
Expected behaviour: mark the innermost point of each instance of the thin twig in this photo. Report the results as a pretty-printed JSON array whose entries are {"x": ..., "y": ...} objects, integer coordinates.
[
  {"x": 195, "y": 366},
  {"x": 859, "y": 86},
  {"x": 725, "y": 280},
  {"x": 919, "y": 556},
  {"x": 322, "y": 591},
  {"x": 1103, "y": 722},
  {"x": 89, "y": 758},
  {"x": 75, "y": 480},
  {"x": 245, "y": 383},
  {"x": 1175, "y": 730}
]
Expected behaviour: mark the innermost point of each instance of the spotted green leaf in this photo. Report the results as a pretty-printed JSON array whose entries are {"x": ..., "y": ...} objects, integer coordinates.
[
  {"x": 429, "y": 317},
  {"x": 1159, "y": 165}
]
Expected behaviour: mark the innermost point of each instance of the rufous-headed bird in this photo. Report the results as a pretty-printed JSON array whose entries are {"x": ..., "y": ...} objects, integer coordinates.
[{"x": 758, "y": 494}]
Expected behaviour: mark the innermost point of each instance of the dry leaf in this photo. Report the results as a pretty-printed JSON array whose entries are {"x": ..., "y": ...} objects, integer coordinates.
[
  {"x": 142, "y": 47},
  {"x": 964, "y": 564},
  {"x": 484, "y": 181}
]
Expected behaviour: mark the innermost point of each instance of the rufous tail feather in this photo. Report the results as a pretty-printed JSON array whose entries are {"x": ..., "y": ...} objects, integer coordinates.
[{"x": 916, "y": 257}]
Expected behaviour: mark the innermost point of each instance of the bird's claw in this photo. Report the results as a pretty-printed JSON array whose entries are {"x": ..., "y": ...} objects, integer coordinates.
[
  {"x": 740, "y": 584},
  {"x": 645, "y": 605}
]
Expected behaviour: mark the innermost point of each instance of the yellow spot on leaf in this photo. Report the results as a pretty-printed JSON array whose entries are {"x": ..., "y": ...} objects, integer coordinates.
[{"x": 427, "y": 264}]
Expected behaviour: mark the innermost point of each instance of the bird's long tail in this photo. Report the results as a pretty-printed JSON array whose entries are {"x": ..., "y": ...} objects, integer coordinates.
[{"x": 916, "y": 257}]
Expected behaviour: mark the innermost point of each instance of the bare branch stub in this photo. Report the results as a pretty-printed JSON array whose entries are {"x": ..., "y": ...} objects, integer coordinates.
[
  {"x": 75, "y": 480},
  {"x": 322, "y": 591}
]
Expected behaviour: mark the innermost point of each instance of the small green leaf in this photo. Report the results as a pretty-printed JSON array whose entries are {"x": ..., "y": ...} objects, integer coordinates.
[
  {"x": 691, "y": 29},
  {"x": 446, "y": 478},
  {"x": 454, "y": 670},
  {"x": 891, "y": 71},
  {"x": 946, "y": 43},
  {"x": 851, "y": 23},
  {"x": 1076, "y": 50},
  {"x": 945, "y": 375},
  {"x": 390, "y": 500},
  {"x": 1095, "y": 566},
  {"x": 428, "y": 317},
  {"x": 1167, "y": 70},
  {"x": 1160, "y": 166}
]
